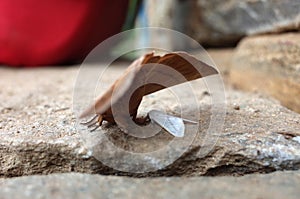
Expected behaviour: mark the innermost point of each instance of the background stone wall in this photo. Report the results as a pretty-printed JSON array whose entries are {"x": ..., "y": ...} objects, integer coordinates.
[{"x": 223, "y": 23}]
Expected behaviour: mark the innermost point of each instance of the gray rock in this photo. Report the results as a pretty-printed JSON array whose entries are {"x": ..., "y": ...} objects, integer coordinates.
[
  {"x": 222, "y": 23},
  {"x": 75, "y": 185},
  {"x": 38, "y": 132},
  {"x": 269, "y": 64}
]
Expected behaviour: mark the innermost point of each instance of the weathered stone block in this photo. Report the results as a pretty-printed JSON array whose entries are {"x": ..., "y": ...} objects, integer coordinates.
[{"x": 269, "y": 64}]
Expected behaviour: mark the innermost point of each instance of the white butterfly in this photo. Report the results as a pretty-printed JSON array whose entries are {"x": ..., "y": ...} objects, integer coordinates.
[{"x": 174, "y": 125}]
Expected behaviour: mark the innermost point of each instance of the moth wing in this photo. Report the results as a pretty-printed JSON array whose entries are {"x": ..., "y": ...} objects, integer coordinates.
[
  {"x": 196, "y": 68},
  {"x": 174, "y": 125},
  {"x": 187, "y": 65},
  {"x": 117, "y": 90}
]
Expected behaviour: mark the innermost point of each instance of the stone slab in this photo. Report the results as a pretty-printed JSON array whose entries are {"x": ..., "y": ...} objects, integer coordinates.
[
  {"x": 38, "y": 133},
  {"x": 75, "y": 185},
  {"x": 269, "y": 64},
  {"x": 224, "y": 23}
]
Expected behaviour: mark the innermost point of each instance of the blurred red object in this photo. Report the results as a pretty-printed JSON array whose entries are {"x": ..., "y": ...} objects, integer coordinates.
[{"x": 49, "y": 32}]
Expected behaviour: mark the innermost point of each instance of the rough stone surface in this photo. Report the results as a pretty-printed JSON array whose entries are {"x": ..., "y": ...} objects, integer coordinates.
[
  {"x": 223, "y": 60},
  {"x": 74, "y": 185},
  {"x": 269, "y": 64},
  {"x": 228, "y": 21},
  {"x": 222, "y": 23},
  {"x": 38, "y": 134}
]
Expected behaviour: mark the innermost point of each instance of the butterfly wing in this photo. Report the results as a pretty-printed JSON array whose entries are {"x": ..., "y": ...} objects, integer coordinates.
[{"x": 174, "y": 125}]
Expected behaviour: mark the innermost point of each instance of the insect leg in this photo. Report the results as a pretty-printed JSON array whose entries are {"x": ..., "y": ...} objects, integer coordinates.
[
  {"x": 189, "y": 121},
  {"x": 98, "y": 123},
  {"x": 90, "y": 121},
  {"x": 92, "y": 124},
  {"x": 94, "y": 129}
]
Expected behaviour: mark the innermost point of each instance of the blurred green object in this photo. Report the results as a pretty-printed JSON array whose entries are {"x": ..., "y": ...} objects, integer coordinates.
[
  {"x": 136, "y": 18},
  {"x": 131, "y": 14}
]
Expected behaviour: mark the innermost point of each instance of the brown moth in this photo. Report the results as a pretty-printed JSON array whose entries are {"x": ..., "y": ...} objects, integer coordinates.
[{"x": 152, "y": 73}]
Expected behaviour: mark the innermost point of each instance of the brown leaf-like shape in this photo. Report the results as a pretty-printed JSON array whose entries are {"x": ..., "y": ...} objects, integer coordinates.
[{"x": 144, "y": 76}]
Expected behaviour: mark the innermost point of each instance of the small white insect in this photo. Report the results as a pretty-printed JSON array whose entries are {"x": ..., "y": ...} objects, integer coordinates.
[{"x": 173, "y": 125}]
